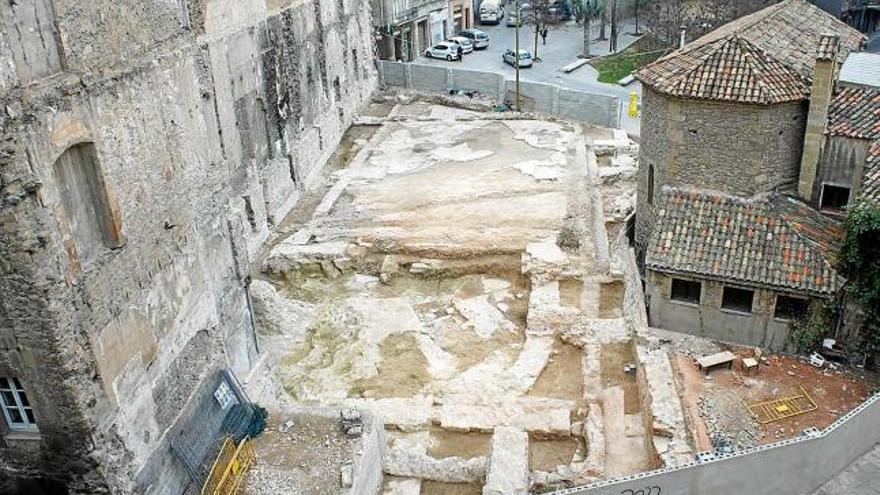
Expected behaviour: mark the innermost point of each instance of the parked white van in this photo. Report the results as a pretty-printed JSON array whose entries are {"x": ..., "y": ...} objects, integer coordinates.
[{"x": 491, "y": 12}]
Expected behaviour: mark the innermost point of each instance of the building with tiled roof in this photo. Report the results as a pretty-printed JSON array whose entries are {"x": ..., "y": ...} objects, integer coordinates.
[
  {"x": 765, "y": 241},
  {"x": 732, "y": 69},
  {"x": 734, "y": 268},
  {"x": 730, "y": 111},
  {"x": 764, "y": 58},
  {"x": 855, "y": 112},
  {"x": 849, "y": 160},
  {"x": 735, "y": 126}
]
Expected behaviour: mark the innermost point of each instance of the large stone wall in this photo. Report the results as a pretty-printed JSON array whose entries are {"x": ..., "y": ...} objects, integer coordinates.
[
  {"x": 731, "y": 148},
  {"x": 207, "y": 119}
]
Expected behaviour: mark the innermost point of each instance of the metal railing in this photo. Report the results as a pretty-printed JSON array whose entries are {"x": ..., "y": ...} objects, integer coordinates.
[{"x": 230, "y": 467}]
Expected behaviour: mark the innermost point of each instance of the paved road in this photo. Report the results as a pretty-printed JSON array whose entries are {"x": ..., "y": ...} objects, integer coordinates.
[
  {"x": 860, "y": 478},
  {"x": 564, "y": 44}
]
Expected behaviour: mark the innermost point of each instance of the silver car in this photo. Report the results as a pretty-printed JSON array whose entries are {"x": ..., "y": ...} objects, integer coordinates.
[
  {"x": 480, "y": 38},
  {"x": 525, "y": 58},
  {"x": 467, "y": 46}
]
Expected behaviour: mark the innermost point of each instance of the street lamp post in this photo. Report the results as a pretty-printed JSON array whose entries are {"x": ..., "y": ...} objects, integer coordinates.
[{"x": 516, "y": 53}]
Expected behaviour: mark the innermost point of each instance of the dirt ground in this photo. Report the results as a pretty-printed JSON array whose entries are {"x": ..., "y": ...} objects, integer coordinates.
[
  {"x": 614, "y": 358},
  {"x": 548, "y": 454},
  {"x": 302, "y": 451},
  {"x": 445, "y": 443},
  {"x": 562, "y": 378},
  {"x": 718, "y": 403}
]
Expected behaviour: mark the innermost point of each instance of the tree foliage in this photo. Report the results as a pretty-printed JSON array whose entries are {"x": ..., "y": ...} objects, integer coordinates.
[
  {"x": 859, "y": 262},
  {"x": 806, "y": 332},
  {"x": 584, "y": 13}
]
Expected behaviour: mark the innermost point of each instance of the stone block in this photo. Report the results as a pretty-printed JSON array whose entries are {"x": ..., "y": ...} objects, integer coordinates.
[
  {"x": 508, "y": 471},
  {"x": 542, "y": 416}
]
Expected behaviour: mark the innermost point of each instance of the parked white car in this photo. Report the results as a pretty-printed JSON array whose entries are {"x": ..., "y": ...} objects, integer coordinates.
[
  {"x": 525, "y": 58},
  {"x": 445, "y": 50},
  {"x": 467, "y": 46}
]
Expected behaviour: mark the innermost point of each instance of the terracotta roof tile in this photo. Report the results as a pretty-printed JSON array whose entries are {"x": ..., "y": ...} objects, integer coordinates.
[
  {"x": 766, "y": 57},
  {"x": 774, "y": 241},
  {"x": 828, "y": 46},
  {"x": 855, "y": 112}
]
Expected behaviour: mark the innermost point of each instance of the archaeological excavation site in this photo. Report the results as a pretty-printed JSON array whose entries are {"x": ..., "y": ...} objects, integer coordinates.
[
  {"x": 456, "y": 278},
  {"x": 465, "y": 279},
  {"x": 240, "y": 254}
]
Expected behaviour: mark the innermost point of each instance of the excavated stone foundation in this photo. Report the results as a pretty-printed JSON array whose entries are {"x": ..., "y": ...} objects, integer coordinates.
[{"x": 456, "y": 280}]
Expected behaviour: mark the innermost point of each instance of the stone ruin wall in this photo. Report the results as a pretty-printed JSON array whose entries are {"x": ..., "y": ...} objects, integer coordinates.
[{"x": 189, "y": 128}]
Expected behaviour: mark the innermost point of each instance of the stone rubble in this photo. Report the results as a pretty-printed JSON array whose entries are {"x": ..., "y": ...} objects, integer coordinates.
[
  {"x": 405, "y": 486},
  {"x": 670, "y": 434},
  {"x": 279, "y": 315}
]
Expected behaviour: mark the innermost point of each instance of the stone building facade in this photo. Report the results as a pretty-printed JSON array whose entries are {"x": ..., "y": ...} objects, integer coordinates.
[
  {"x": 405, "y": 28},
  {"x": 727, "y": 233},
  {"x": 462, "y": 13},
  {"x": 147, "y": 150},
  {"x": 718, "y": 146}
]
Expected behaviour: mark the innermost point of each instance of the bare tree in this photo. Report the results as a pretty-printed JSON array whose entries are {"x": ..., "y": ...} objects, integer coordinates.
[
  {"x": 665, "y": 18},
  {"x": 612, "y": 44},
  {"x": 603, "y": 21},
  {"x": 584, "y": 12},
  {"x": 637, "y": 6},
  {"x": 542, "y": 15}
]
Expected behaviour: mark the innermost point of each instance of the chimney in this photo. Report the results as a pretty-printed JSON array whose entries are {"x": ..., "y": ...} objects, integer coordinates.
[
  {"x": 820, "y": 99},
  {"x": 682, "y": 37}
]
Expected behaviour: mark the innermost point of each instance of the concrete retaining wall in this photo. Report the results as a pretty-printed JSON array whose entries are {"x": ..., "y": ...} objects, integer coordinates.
[
  {"x": 394, "y": 74},
  {"x": 535, "y": 97},
  {"x": 791, "y": 467},
  {"x": 488, "y": 83},
  {"x": 429, "y": 78},
  {"x": 549, "y": 99},
  {"x": 577, "y": 105}
]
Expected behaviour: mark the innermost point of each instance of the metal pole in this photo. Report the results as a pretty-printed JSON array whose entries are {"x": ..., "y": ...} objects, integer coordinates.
[{"x": 516, "y": 53}]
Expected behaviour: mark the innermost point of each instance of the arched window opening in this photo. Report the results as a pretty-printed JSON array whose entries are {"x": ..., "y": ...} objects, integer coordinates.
[{"x": 84, "y": 200}]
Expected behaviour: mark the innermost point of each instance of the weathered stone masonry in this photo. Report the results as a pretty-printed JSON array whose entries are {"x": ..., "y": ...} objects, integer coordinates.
[
  {"x": 742, "y": 149},
  {"x": 147, "y": 150}
]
